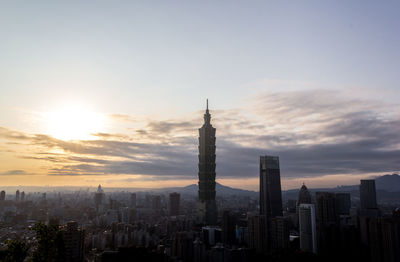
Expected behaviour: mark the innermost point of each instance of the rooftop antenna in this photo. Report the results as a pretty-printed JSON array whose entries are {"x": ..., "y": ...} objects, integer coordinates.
[{"x": 207, "y": 103}]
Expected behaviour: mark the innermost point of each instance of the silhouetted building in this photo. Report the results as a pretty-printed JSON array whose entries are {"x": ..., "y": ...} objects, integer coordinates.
[
  {"x": 343, "y": 203},
  {"x": 270, "y": 187},
  {"x": 256, "y": 232},
  {"x": 98, "y": 197},
  {"x": 22, "y": 196},
  {"x": 308, "y": 228},
  {"x": 384, "y": 239},
  {"x": 174, "y": 203},
  {"x": 279, "y": 231},
  {"x": 291, "y": 206},
  {"x": 17, "y": 195},
  {"x": 73, "y": 242},
  {"x": 368, "y": 194},
  {"x": 270, "y": 194},
  {"x": 228, "y": 228},
  {"x": 328, "y": 233},
  {"x": 211, "y": 235},
  {"x": 207, "y": 205},
  {"x": 3, "y": 195},
  {"x": 368, "y": 204},
  {"x": 304, "y": 196},
  {"x": 327, "y": 213},
  {"x": 182, "y": 246},
  {"x": 133, "y": 200}
]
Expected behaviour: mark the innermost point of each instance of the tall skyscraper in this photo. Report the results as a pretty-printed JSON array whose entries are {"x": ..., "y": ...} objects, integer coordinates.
[
  {"x": 279, "y": 233},
  {"x": 228, "y": 227},
  {"x": 307, "y": 228},
  {"x": 328, "y": 233},
  {"x": 207, "y": 204},
  {"x": 17, "y": 195},
  {"x": 98, "y": 197},
  {"x": 343, "y": 203},
  {"x": 256, "y": 232},
  {"x": 327, "y": 211},
  {"x": 73, "y": 242},
  {"x": 133, "y": 200},
  {"x": 3, "y": 195},
  {"x": 368, "y": 194},
  {"x": 270, "y": 187},
  {"x": 271, "y": 203},
  {"x": 304, "y": 196},
  {"x": 174, "y": 203}
]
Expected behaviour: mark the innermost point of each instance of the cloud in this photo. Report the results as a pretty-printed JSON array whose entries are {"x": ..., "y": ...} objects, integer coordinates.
[
  {"x": 315, "y": 133},
  {"x": 13, "y": 173}
]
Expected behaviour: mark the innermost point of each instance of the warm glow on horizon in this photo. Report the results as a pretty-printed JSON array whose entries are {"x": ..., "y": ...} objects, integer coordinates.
[{"x": 73, "y": 122}]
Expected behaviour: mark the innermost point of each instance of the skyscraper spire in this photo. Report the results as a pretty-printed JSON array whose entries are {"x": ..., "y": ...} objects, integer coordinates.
[{"x": 207, "y": 116}]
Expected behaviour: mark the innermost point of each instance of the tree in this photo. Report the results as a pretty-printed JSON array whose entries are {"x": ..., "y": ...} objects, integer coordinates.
[
  {"x": 16, "y": 251},
  {"x": 50, "y": 244}
]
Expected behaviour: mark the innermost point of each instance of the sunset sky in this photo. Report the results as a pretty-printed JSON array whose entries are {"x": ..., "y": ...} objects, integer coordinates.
[{"x": 113, "y": 92}]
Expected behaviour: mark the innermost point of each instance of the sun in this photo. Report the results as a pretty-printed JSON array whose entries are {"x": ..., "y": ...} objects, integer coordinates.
[{"x": 73, "y": 122}]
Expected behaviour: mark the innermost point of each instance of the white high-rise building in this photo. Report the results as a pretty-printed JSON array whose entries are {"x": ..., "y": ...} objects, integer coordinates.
[{"x": 308, "y": 228}]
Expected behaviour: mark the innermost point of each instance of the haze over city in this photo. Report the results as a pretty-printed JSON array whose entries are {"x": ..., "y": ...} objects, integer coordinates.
[{"x": 114, "y": 94}]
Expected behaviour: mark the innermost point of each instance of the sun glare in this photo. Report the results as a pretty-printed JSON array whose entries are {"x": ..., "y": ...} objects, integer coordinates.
[{"x": 74, "y": 123}]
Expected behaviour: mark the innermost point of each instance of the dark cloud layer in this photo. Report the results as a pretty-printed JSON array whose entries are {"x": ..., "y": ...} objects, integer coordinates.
[{"x": 313, "y": 132}]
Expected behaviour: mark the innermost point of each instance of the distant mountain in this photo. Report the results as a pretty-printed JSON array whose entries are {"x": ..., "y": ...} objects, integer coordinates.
[
  {"x": 221, "y": 191},
  {"x": 390, "y": 183}
]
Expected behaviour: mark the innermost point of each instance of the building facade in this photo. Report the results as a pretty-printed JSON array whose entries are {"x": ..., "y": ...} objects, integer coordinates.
[
  {"x": 368, "y": 194},
  {"x": 307, "y": 228},
  {"x": 271, "y": 202},
  {"x": 174, "y": 203}
]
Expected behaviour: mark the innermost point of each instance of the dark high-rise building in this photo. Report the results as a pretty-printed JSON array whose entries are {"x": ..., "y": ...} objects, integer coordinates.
[
  {"x": 3, "y": 195},
  {"x": 304, "y": 196},
  {"x": 271, "y": 199},
  {"x": 23, "y": 196},
  {"x": 74, "y": 242},
  {"x": 207, "y": 204},
  {"x": 174, "y": 203},
  {"x": 384, "y": 239},
  {"x": 307, "y": 228},
  {"x": 133, "y": 200},
  {"x": 279, "y": 232},
  {"x": 327, "y": 214},
  {"x": 182, "y": 246},
  {"x": 343, "y": 203},
  {"x": 368, "y": 194},
  {"x": 256, "y": 232},
  {"x": 98, "y": 197},
  {"x": 17, "y": 195},
  {"x": 270, "y": 187},
  {"x": 228, "y": 228}
]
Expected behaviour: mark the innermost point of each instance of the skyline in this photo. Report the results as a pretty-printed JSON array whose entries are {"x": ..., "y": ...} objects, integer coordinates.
[{"x": 285, "y": 79}]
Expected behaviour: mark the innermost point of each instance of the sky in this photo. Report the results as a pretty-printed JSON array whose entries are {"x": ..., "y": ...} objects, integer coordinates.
[{"x": 113, "y": 92}]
